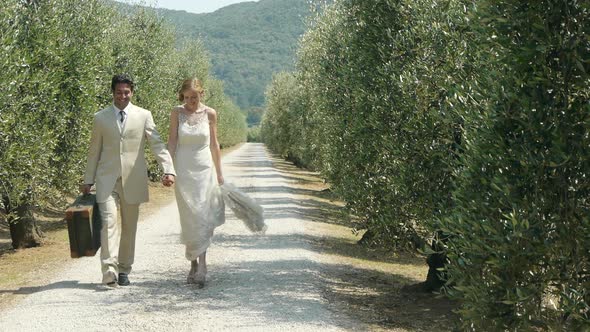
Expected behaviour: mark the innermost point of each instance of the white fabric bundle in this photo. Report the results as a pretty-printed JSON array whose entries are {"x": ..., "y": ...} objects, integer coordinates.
[{"x": 244, "y": 208}]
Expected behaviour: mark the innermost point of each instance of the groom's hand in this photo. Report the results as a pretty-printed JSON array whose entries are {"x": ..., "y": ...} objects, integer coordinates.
[
  {"x": 85, "y": 188},
  {"x": 168, "y": 180}
]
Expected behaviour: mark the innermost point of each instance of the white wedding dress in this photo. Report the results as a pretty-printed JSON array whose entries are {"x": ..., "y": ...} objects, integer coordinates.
[{"x": 199, "y": 199}]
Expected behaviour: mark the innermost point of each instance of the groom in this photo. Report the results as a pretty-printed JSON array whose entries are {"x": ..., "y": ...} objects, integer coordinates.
[{"x": 116, "y": 164}]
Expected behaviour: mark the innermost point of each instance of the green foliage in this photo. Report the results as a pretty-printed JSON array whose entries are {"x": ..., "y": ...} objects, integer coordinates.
[
  {"x": 275, "y": 130},
  {"x": 283, "y": 128},
  {"x": 254, "y": 135},
  {"x": 520, "y": 233},
  {"x": 254, "y": 116},
  {"x": 48, "y": 76},
  {"x": 373, "y": 80},
  {"x": 232, "y": 127},
  {"x": 57, "y": 58}
]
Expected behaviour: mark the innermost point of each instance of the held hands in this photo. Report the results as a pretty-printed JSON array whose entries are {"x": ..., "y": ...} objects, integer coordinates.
[{"x": 168, "y": 180}]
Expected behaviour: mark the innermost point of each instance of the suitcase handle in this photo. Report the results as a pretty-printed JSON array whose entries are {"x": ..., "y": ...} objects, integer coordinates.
[{"x": 85, "y": 198}]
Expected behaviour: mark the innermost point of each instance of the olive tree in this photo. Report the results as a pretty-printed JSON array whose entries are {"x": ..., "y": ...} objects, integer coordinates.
[
  {"x": 49, "y": 85},
  {"x": 520, "y": 232}
]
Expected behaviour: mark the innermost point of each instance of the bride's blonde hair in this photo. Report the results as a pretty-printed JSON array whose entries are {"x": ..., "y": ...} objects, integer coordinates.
[{"x": 190, "y": 84}]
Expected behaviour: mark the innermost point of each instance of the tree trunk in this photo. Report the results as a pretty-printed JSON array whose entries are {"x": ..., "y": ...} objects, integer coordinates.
[
  {"x": 23, "y": 228},
  {"x": 435, "y": 280},
  {"x": 367, "y": 238}
]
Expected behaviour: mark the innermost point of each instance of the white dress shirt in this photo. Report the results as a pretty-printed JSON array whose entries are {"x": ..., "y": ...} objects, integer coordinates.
[{"x": 118, "y": 116}]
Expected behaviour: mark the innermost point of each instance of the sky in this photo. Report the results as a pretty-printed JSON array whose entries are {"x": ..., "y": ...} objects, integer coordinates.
[{"x": 192, "y": 6}]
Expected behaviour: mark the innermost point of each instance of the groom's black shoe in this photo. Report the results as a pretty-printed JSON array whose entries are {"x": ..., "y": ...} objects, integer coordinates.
[{"x": 123, "y": 279}]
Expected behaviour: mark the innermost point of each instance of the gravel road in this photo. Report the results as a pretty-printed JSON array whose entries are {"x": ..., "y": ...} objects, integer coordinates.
[{"x": 256, "y": 283}]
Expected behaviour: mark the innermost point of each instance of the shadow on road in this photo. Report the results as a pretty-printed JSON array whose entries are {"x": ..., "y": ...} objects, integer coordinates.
[{"x": 57, "y": 285}]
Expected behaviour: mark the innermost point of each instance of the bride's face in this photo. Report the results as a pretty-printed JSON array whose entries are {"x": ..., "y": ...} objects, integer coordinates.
[{"x": 192, "y": 98}]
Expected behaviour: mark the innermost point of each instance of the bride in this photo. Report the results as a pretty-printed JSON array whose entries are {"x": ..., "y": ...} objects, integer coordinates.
[{"x": 197, "y": 158}]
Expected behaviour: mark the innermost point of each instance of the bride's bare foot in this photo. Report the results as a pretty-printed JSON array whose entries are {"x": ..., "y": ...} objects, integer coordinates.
[
  {"x": 200, "y": 279},
  {"x": 191, "y": 278},
  {"x": 201, "y": 273}
]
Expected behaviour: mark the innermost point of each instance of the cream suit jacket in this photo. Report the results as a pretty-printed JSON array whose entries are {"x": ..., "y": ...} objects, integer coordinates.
[{"x": 115, "y": 153}]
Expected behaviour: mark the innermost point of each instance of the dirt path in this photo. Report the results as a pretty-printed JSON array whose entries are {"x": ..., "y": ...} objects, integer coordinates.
[
  {"x": 306, "y": 274},
  {"x": 255, "y": 282}
]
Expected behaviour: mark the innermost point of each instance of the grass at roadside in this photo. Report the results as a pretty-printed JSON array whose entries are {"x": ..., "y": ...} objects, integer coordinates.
[{"x": 376, "y": 286}]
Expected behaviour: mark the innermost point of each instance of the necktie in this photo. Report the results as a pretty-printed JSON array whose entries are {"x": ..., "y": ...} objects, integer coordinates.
[{"x": 122, "y": 116}]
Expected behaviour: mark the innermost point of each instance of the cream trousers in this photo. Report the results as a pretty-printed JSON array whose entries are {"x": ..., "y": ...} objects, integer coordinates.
[{"x": 117, "y": 238}]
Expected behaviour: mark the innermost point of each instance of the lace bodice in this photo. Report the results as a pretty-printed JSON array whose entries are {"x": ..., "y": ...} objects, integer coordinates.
[
  {"x": 194, "y": 118},
  {"x": 193, "y": 128}
]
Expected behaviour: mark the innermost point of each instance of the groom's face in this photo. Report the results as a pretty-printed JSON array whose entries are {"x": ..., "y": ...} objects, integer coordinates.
[{"x": 122, "y": 95}]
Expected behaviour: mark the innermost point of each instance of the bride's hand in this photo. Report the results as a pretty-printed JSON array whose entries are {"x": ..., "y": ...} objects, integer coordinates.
[
  {"x": 220, "y": 179},
  {"x": 168, "y": 180}
]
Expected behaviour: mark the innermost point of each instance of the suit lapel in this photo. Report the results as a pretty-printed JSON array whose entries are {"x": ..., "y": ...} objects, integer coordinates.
[{"x": 111, "y": 119}]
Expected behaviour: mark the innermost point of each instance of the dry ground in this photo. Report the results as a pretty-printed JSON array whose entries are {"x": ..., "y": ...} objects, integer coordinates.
[{"x": 376, "y": 287}]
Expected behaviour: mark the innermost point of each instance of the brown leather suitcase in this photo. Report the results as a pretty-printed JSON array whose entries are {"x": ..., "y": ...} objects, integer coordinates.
[{"x": 84, "y": 226}]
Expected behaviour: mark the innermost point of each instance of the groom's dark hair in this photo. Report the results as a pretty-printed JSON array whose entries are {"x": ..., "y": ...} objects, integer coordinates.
[{"x": 122, "y": 78}]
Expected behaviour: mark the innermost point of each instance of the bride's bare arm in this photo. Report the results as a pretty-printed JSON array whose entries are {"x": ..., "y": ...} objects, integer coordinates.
[{"x": 214, "y": 144}]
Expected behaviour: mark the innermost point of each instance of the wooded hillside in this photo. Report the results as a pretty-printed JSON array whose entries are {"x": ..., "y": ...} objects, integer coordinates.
[{"x": 247, "y": 42}]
